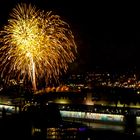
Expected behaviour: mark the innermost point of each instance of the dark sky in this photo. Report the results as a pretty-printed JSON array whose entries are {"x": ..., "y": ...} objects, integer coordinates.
[{"x": 107, "y": 34}]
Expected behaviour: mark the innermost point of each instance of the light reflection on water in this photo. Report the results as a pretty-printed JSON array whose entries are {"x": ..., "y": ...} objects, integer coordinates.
[
  {"x": 118, "y": 128},
  {"x": 106, "y": 126}
]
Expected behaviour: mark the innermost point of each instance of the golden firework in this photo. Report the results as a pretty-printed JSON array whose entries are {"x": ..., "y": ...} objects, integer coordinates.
[{"x": 35, "y": 44}]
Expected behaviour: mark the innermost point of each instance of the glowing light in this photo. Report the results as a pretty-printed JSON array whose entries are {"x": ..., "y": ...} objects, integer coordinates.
[{"x": 35, "y": 44}]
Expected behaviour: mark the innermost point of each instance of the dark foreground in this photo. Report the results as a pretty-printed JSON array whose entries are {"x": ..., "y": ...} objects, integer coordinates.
[{"x": 19, "y": 127}]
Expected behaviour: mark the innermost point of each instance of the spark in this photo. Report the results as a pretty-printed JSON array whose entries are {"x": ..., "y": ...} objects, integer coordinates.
[{"x": 35, "y": 44}]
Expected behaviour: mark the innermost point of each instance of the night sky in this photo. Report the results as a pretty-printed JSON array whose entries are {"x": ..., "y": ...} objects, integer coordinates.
[{"x": 107, "y": 34}]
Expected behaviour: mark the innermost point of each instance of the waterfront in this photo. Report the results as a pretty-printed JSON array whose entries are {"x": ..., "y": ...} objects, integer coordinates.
[
  {"x": 84, "y": 117},
  {"x": 24, "y": 126}
]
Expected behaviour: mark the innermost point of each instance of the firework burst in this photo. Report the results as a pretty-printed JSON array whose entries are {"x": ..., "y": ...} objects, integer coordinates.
[{"x": 35, "y": 44}]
